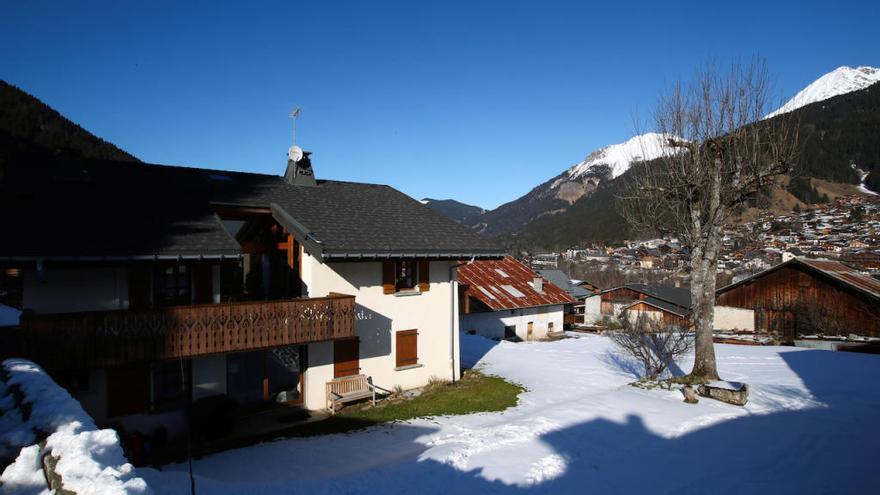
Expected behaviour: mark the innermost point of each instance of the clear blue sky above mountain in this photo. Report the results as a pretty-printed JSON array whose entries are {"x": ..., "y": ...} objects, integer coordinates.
[{"x": 476, "y": 101}]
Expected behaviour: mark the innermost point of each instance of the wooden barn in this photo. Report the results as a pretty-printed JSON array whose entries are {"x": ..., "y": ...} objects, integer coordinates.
[{"x": 808, "y": 297}]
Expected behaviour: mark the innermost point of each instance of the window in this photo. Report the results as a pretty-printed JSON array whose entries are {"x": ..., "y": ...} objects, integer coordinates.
[
  {"x": 405, "y": 276},
  {"x": 171, "y": 285},
  {"x": 510, "y": 331},
  {"x": 257, "y": 378},
  {"x": 407, "y": 348},
  {"x": 550, "y": 327},
  {"x": 170, "y": 383}
]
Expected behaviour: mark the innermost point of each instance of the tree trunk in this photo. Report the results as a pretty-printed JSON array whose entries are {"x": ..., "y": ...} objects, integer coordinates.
[
  {"x": 703, "y": 300},
  {"x": 704, "y": 267}
]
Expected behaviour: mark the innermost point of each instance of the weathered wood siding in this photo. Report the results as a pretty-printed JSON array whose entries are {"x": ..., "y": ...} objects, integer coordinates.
[{"x": 785, "y": 301}]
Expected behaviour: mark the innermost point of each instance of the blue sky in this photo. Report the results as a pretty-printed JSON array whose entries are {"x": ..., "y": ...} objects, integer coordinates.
[{"x": 477, "y": 101}]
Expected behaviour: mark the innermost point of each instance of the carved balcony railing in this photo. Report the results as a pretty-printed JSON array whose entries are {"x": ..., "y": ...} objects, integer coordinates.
[{"x": 108, "y": 338}]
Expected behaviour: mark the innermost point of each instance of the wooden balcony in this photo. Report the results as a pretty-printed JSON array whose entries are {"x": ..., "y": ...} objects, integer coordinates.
[{"x": 108, "y": 338}]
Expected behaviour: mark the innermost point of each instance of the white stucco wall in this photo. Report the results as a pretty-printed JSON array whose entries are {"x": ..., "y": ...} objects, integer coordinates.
[
  {"x": 592, "y": 309},
  {"x": 491, "y": 324},
  {"x": 61, "y": 290},
  {"x": 379, "y": 316},
  {"x": 730, "y": 318}
]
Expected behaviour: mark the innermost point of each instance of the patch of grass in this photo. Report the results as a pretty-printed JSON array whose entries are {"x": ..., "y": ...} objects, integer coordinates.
[{"x": 475, "y": 392}]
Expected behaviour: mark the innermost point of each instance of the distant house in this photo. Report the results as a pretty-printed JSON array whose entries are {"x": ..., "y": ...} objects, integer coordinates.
[
  {"x": 807, "y": 297},
  {"x": 669, "y": 303},
  {"x": 157, "y": 286},
  {"x": 585, "y": 310},
  {"x": 506, "y": 299}
]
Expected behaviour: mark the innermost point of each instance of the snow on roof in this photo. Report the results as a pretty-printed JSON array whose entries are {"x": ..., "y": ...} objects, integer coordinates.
[
  {"x": 482, "y": 279},
  {"x": 513, "y": 291}
]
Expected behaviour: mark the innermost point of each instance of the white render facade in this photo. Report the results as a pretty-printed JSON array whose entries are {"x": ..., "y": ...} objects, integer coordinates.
[
  {"x": 378, "y": 317},
  {"x": 492, "y": 324}
]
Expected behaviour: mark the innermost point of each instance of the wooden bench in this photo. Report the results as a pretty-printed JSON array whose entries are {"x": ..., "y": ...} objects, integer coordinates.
[{"x": 349, "y": 389}]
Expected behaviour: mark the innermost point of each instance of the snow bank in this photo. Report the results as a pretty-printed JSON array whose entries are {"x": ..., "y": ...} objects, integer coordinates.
[{"x": 90, "y": 460}]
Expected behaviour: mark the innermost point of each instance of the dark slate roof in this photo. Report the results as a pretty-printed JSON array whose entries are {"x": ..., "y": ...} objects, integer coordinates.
[
  {"x": 78, "y": 208},
  {"x": 663, "y": 305},
  {"x": 560, "y": 279},
  {"x": 680, "y": 296}
]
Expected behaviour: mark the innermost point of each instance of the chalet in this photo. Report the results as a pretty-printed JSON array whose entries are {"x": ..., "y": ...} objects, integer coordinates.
[
  {"x": 586, "y": 302},
  {"x": 146, "y": 288},
  {"x": 506, "y": 299},
  {"x": 808, "y": 297},
  {"x": 671, "y": 304}
]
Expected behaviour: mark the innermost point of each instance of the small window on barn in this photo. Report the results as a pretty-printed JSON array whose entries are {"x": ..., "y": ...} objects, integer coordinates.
[{"x": 407, "y": 348}]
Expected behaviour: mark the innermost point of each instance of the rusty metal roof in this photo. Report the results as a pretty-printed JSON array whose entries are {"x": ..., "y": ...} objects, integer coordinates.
[
  {"x": 836, "y": 270},
  {"x": 507, "y": 284},
  {"x": 846, "y": 275}
]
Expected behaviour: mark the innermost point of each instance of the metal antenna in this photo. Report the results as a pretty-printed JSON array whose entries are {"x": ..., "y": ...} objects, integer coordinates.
[{"x": 293, "y": 115}]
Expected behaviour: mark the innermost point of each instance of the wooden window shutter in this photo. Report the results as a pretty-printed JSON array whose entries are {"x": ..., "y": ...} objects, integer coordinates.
[
  {"x": 424, "y": 276},
  {"x": 407, "y": 348},
  {"x": 346, "y": 360},
  {"x": 388, "y": 277}
]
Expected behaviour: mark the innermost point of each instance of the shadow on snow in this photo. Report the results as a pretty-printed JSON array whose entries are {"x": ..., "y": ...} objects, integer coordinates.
[{"x": 826, "y": 449}]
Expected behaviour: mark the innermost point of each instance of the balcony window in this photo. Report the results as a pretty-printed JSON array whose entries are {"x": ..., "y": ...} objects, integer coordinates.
[{"x": 172, "y": 285}]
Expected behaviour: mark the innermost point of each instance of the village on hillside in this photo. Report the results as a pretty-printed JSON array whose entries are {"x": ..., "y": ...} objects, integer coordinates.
[
  {"x": 206, "y": 288},
  {"x": 846, "y": 229}
]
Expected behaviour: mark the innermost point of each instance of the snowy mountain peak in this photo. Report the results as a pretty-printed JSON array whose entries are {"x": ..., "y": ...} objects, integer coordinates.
[
  {"x": 620, "y": 156},
  {"x": 840, "y": 81}
]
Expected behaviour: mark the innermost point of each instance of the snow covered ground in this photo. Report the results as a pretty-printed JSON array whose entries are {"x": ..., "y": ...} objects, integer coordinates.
[{"x": 809, "y": 427}]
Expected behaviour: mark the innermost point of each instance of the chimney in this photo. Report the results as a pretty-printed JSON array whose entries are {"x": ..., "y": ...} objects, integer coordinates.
[
  {"x": 538, "y": 284},
  {"x": 299, "y": 171}
]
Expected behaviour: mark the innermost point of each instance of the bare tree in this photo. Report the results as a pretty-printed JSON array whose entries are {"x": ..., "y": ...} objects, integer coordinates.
[
  {"x": 652, "y": 342},
  {"x": 719, "y": 153}
]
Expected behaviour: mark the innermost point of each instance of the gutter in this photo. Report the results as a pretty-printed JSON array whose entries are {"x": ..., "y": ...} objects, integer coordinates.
[
  {"x": 299, "y": 231},
  {"x": 341, "y": 256},
  {"x": 146, "y": 257},
  {"x": 453, "y": 313}
]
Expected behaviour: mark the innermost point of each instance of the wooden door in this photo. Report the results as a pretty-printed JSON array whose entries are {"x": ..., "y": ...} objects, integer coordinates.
[
  {"x": 531, "y": 329},
  {"x": 346, "y": 361}
]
